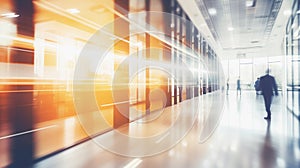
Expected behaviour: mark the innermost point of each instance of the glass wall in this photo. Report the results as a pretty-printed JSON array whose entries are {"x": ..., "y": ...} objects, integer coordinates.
[
  {"x": 292, "y": 58},
  {"x": 249, "y": 69},
  {"x": 39, "y": 57}
]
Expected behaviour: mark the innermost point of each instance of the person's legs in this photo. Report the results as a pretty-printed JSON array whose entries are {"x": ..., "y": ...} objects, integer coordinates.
[
  {"x": 238, "y": 90},
  {"x": 227, "y": 89},
  {"x": 268, "y": 100}
]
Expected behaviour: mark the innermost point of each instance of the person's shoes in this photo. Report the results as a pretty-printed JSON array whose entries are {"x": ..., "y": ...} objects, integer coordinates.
[{"x": 267, "y": 118}]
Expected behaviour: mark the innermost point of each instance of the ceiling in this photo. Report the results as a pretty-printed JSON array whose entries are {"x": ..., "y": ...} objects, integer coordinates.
[
  {"x": 92, "y": 14},
  {"x": 53, "y": 16},
  {"x": 235, "y": 25},
  {"x": 240, "y": 30},
  {"x": 233, "y": 29}
]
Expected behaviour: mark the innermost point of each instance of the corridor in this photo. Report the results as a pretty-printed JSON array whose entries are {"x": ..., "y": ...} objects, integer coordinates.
[
  {"x": 242, "y": 139},
  {"x": 149, "y": 83}
]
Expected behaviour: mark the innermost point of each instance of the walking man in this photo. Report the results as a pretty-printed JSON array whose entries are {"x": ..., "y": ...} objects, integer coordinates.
[
  {"x": 267, "y": 85},
  {"x": 238, "y": 86},
  {"x": 227, "y": 86}
]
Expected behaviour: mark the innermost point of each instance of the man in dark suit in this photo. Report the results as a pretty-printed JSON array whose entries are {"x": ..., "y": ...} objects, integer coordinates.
[{"x": 267, "y": 85}]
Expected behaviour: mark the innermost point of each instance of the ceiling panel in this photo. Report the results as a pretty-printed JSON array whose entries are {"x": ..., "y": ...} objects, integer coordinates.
[{"x": 235, "y": 25}]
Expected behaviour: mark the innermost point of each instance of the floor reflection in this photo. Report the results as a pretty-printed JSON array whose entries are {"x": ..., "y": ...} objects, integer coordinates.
[
  {"x": 268, "y": 152},
  {"x": 242, "y": 139}
]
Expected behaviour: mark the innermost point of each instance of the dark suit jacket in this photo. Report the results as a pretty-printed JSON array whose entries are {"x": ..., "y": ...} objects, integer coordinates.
[{"x": 267, "y": 85}]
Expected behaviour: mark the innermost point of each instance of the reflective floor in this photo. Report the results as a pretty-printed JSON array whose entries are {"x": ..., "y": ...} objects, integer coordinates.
[{"x": 242, "y": 139}]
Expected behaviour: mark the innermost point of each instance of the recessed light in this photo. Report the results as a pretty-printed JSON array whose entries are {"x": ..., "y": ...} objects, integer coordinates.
[
  {"x": 73, "y": 11},
  {"x": 287, "y": 12},
  {"x": 230, "y": 28},
  {"x": 202, "y": 25},
  {"x": 212, "y": 11},
  {"x": 249, "y": 3},
  {"x": 100, "y": 10},
  {"x": 9, "y": 15}
]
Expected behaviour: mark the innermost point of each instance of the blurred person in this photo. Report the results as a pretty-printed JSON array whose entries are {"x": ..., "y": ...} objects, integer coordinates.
[
  {"x": 227, "y": 86},
  {"x": 257, "y": 86},
  {"x": 238, "y": 86},
  {"x": 267, "y": 85}
]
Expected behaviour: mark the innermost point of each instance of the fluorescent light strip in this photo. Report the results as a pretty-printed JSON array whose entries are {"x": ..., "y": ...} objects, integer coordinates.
[
  {"x": 73, "y": 11},
  {"x": 26, "y": 132},
  {"x": 10, "y": 15},
  {"x": 162, "y": 138},
  {"x": 134, "y": 163},
  {"x": 212, "y": 11}
]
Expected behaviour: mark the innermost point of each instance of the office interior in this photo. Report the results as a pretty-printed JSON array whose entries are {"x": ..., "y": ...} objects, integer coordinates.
[{"x": 140, "y": 83}]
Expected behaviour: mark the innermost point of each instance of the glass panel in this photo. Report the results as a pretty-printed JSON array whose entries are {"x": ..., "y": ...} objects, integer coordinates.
[
  {"x": 259, "y": 67},
  {"x": 276, "y": 71},
  {"x": 246, "y": 76},
  {"x": 292, "y": 63},
  {"x": 225, "y": 68},
  {"x": 289, "y": 70},
  {"x": 59, "y": 38},
  {"x": 296, "y": 65},
  {"x": 233, "y": 73},
  {"x": 245, "y": 61}
]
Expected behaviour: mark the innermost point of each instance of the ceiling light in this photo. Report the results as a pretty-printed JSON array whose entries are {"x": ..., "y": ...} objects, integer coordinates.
[
  {"x": 203, "y": 25},
  {"x": 100, "y": 10},
  {"x": 73, "y": 11},
  {"x": 212, "y": 11},
  {"x": 287, "y": 12},
  {"x": 10, "y": 15},
  {"x": 298, "y": 12},
  {"x": 249, "y": 3},
  {"x": 230, "y": 28}
]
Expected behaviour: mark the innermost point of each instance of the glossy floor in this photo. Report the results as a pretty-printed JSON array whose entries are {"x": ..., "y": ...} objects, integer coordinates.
[{"x": 241, "y": 139}]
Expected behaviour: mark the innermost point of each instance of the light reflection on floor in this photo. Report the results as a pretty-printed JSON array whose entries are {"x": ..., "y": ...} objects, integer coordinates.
[{"x": 243, "y": 139}]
